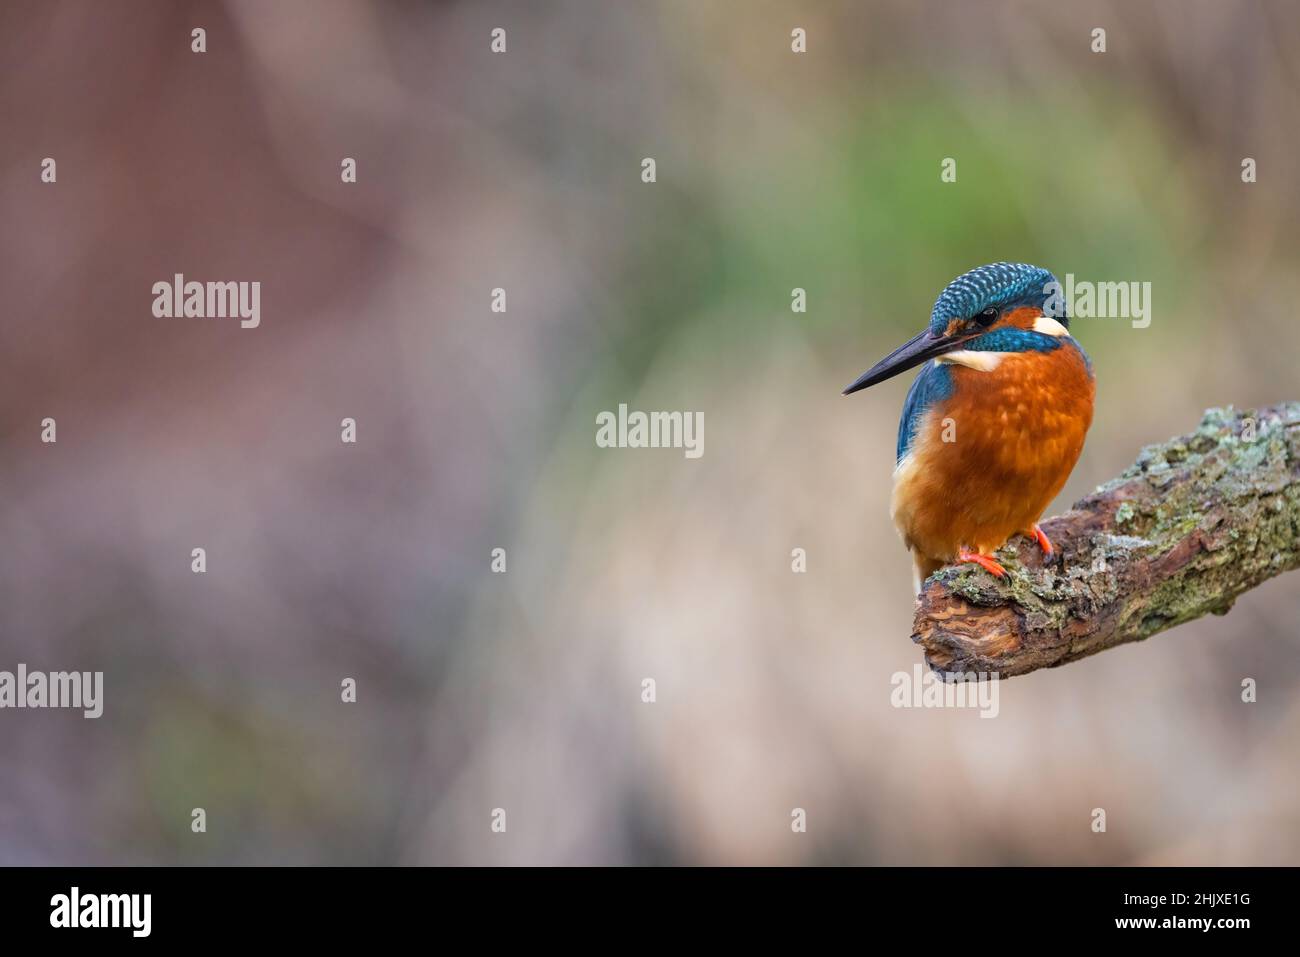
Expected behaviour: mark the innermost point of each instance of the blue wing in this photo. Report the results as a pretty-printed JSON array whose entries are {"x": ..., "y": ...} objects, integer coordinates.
[{"x": 933, "y": 384}]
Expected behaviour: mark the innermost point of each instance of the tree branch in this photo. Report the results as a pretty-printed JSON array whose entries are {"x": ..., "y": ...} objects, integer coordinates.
[{"x": 1195, "y": 522}]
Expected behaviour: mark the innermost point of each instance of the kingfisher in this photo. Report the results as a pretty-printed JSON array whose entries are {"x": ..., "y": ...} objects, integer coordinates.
[{"x": 993, "y": 423}]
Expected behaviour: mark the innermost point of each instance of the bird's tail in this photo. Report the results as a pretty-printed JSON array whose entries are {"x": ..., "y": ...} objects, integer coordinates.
[{"x": 923, "y": 566}]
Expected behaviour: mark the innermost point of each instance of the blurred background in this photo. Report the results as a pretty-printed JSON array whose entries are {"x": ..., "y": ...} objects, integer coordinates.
[{"x": 521, "y": 170}]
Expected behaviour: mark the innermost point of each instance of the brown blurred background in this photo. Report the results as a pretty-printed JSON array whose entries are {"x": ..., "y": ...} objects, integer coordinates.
[{"x": 476, "y": 430}]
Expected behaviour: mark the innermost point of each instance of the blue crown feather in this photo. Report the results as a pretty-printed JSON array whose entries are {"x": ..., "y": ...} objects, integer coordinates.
[{"x": 997, "y": 284}]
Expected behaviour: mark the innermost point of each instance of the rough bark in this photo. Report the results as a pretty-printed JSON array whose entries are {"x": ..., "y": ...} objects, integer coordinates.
[{"x": 1195, "y": 522}]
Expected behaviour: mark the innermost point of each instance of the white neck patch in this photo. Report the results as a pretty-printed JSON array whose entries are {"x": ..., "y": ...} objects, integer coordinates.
[{"x": 1050, "y": 327}]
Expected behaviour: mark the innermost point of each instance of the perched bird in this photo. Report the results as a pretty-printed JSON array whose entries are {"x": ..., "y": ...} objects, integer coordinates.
[{"x": 994, "y": 422}]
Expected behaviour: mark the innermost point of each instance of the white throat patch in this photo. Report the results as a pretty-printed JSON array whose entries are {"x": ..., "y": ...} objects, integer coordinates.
[{"x": 972, "y": 359}]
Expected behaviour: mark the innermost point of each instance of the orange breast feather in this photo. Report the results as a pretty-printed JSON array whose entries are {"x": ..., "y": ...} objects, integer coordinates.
[{"x": 986, "y": 462}]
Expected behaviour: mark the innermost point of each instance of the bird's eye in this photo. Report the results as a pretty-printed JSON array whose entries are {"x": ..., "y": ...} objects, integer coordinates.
[{"x": 987, "y": 317}]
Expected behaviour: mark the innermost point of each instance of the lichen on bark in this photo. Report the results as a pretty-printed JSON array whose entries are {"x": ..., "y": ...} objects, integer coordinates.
[{"x": 1191, "y": 525}]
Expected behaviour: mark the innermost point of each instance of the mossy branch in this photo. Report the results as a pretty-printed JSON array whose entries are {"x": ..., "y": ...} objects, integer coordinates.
[{"x": 1195, "y": 522}]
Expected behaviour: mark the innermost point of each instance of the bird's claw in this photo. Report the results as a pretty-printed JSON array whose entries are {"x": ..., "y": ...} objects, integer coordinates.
[
  {"x": 1043, "y": 541},
  {"x": 987, "y": 562}
]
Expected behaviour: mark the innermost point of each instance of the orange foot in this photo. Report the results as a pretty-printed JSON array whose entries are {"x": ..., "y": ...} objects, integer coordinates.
[
  {"x": 1043, "y": 541},
  {"x": 987, "y": 562}
]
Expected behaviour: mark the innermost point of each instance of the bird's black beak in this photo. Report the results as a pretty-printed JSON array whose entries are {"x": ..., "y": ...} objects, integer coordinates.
[{"x": 909, "y": 355}]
